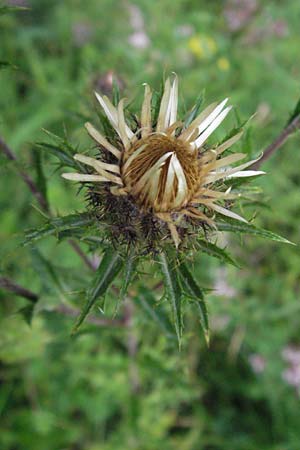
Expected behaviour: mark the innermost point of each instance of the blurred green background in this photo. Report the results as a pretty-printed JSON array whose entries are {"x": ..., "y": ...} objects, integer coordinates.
[{"x": 128, "y": 387}]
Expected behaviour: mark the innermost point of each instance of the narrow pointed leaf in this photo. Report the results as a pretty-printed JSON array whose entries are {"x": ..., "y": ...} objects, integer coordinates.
[
  {"x": 107, "y": 271},
  {"x": 213, "y": 250},
  {"x": 58, "y": 225},
  {"x": 40, "y": 176},
  {"x": 195, "y": 291},
  {"x": 147, "y": 302},
  {"x": 129, "y": 272},
  {"x": 116, "y": 93},
  {"x": 27, "y": 313},
  {"x": 173, "y": 290},
  {"x": 247, "y": 228},
  {"x": 295, "y": 113},
  {"x": 195, "y": 111},
  {"x": 49, "y": 275}
]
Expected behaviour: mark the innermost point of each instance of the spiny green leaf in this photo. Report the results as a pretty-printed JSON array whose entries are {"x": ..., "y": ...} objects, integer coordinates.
[
  {"x": 147, "y": 302},
  {"x": 295, "y": 113},
  {"x": 107, "y": 271},
  {"x": 63, "y": 150},
  {"x": 195, "y": 110},
  {"x": 65, "y": 157},
  {"x": 215, "y": 251},
  {"x": 129, "y": 271},
  {"x": 116, "y": 92},
  {"x": 41, "y": 179},
  {"x": 196, "y": 292},
  {"x": 27, "y": 313},
  {"x": 59, "y": 224},
  {"x": 237, "y": 183},
  {"x": 173, "y": 289},
  {"x": 49, "y": 276},
  {"x": 247, "y": 228},
  {"x": 155, "y": 103},
  {"x": 236, "y": 130}
]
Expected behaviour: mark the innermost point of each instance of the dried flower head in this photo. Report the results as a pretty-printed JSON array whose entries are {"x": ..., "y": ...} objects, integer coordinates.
[{"x": 158, "y": 172}]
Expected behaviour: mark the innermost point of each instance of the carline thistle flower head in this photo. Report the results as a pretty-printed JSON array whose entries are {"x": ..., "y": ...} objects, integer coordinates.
[{"x": 163, "y": 167}]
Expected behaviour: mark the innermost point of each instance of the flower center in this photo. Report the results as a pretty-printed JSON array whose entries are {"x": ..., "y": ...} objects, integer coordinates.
[{"x": 161, "y": 172}]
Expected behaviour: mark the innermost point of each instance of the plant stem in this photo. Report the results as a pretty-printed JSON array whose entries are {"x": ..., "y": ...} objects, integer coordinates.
[
  {"x": 278, "y": 142},
  {"x": 11, "y": 286}
]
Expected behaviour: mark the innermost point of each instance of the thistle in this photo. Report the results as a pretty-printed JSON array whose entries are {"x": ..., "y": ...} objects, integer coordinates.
[
  {"x": 163, "y": 166},
  {"x": 155, "y": 190}
]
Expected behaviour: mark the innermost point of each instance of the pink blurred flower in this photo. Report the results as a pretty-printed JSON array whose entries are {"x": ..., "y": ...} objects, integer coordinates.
[
  {"x": 139, "y": 40},
  {"x": 257, "y": 363},
  {"x": 291, "y": 354}
]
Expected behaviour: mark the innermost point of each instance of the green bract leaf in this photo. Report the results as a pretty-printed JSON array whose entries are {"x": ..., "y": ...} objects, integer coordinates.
[
  {"x": 129, "y": 271},
  {"x": 148, "y": 303},
  {"x": 295, "y": 113},
  {"x": 49, "y": 275},
  {"x": 41, "y": 179},
  {"x": 215, "y": 251},
  {"x": 196, "y": 292},
  {"x": 27, "y": 313},
  {"x": 108, "y": 269},
  {"x": 195, "y": 110},
  {"x": 59, "y": 225},
  {"x": 173, "y": 289},
  {"x": 248, "y": 228},
  {"x": 63, "y": 150}
]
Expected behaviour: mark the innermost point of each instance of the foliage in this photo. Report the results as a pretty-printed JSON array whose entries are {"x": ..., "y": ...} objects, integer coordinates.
[{"x": 120, "y": 381}]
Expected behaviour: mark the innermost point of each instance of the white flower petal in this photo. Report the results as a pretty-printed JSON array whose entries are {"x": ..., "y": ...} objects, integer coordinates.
[
  {"x": 169, "y": 186},
  {"x": 182, "y": 188},
  {"x": 223, "y": 162},
  {"x": 109, "y": 109},
  {"x": 113, "y": 115},
  {"x": 173, "y": 104},
  {"x": 227, "y": 213},
  {"x": 132, "y": 157},
  {"x": 96, "y": 163},
  {"x": 101, "y": 140},
  {"x": 146, "y": 112},
  {"x": 122, "y": 125},
  {"x": 164, "y": 104},
  {"x": 98, "y": 166},
  {"x": 212, "y": 116},
  {"x": 186, "y": 134},
  {"x": 85, "y": 177},
  {"x": 222, "y": 147},
  {"x": 149, "y": 173},
  {"x": 223, "y": 174},
  {"x": 209, "y": 130},
  {"x": 247, "y": 173}
]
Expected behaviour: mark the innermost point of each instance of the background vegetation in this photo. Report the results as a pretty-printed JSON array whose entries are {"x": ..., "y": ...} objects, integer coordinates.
[{"x": 121, "y": 383}]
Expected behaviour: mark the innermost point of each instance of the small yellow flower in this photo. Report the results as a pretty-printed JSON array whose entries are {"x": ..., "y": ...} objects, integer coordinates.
[
  {"x": 165, "y": 168},
  {"x": 223, "y": 64},
  {"x": 203, "y": 47},
  {"x": 195, "y": 46}
]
